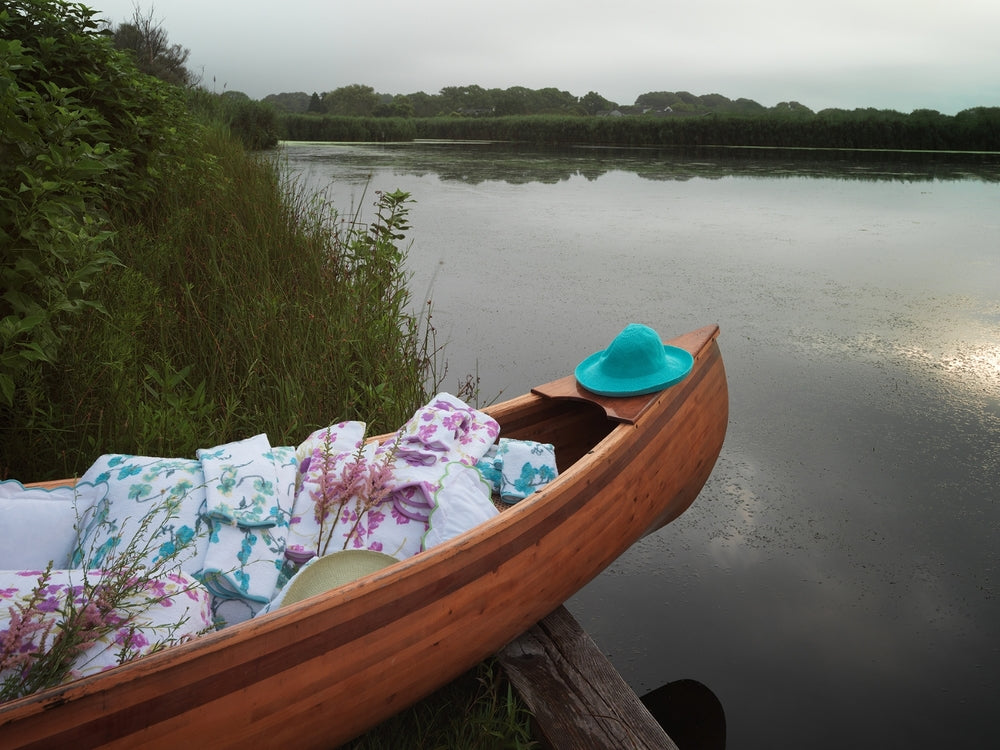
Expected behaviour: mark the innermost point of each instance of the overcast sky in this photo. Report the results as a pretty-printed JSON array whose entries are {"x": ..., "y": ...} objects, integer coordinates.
[{"x": 888, "y": 54}]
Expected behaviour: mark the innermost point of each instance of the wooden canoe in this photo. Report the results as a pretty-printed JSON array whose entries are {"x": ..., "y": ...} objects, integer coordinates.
[{"x": 319, "y": 672}]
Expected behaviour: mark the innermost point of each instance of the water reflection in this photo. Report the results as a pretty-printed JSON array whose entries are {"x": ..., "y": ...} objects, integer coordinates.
[
  {"x": 476, "y": 163},
  {"x": 690, "y": 713},
  {"x": 839, "y": 569}
]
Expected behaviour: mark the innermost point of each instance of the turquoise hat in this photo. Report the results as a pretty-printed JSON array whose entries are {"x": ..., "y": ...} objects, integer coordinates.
[{"x": 637, "y": 362}]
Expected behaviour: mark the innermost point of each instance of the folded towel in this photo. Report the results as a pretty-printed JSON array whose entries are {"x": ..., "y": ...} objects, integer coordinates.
[
  {"x": 491, "y": 473},
  {"x": 162, "y": 497},
  {"x": 329, "y": 464},
  {"x": 38, "y": 525},
  {"x": 446, "y": 430},
  {"x": 249, "y": 495},
  {"x": 524, "y": 465},
  {"x": 241, "y": 483},
  {"x": 169, "y": 609},
  {"x": 461, "y": 502},
  {"x": 355, "y": 495}
]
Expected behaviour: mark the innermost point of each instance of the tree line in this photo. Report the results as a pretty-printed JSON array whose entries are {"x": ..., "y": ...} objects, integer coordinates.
[{"x": 357, "y": 100}]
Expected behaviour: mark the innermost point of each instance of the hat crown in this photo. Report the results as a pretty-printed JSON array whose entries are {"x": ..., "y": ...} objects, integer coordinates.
[
  {"x": 636, "y": 351},
  {"x": 636, "y": 362}
]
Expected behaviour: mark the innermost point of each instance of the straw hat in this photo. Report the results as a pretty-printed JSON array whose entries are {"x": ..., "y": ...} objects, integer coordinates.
[
  {"x": 637, "y": 362},
  {"x": 334, "y": 570}
]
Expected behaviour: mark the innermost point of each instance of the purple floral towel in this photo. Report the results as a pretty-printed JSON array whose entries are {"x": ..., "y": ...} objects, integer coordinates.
[
  {"x": 165, "y": 610},
  {"x": 353, "y": 495}
]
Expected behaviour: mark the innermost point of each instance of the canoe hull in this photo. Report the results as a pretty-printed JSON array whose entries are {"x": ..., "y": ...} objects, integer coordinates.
[{"x": 319, "y": 672}]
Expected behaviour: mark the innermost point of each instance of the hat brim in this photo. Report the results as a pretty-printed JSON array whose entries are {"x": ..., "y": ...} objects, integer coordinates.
[
  {"x": 334, "y": 570},
  {"x": 678, "y": 364}
]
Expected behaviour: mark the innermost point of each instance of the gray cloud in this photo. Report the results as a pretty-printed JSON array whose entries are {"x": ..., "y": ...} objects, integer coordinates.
[{"x": 887, "y": 53}]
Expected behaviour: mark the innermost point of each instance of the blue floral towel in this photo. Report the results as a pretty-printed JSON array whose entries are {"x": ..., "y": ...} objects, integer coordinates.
[
  {"x": 523, "y": 466},
  {"x": 228, "y": 512},
  {"x": 249, "y": 491},
  {"x": 160, "y": 497}
]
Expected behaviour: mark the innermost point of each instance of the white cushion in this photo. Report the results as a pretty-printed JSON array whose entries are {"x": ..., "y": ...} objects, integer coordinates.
[{"x": 36, "y": 526}]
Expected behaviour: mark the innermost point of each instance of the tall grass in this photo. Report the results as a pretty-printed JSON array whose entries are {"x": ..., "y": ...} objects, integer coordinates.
[
  {"x": 242, "y": 304},
  {"x": 478, "y": 711},
  {"x": 976, "y": 129}
]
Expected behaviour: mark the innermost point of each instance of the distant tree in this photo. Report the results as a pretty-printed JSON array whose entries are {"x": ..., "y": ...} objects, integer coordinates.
[
  {"x": 315, "y": 103},
  {"x": 465, "y": 100},
  {"x": 297, "y": 101},
  {"x": 979, "y": 128},
  {"x": 748, "y": 107},
  {"x": 353, "y": 101},
  {"x": 790, "y": 108},
  {"x": 154, "y": 55},
  {"x": 654, "y": 99},
  {"x": 424, "y": 105},
  {"x": 552, "y": 100},
  {"x": 593, "y": 103},
  {"x": 513, "y": 101},
  {"x": 401, "y": 106}
]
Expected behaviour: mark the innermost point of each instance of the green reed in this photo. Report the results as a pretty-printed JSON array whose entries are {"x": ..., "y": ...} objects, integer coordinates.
[{"x": 243, "y": 303}]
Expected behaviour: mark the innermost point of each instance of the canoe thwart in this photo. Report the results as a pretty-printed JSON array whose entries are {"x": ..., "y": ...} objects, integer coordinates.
[{"x": 625, "y": 409}]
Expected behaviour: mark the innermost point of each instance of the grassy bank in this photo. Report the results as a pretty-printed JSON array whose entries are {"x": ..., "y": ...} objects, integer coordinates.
[
  {"x": 165, "y": 288},
  {"x": 239, "y": 304}
]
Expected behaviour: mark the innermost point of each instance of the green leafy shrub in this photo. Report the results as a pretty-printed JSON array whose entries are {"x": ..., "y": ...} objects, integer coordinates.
[
  {"x": 254, "y": 123},
  {"x": 165, "y": 288},
  {"x": 243, "y": 304},
  {"x": 80, "y": 130}
]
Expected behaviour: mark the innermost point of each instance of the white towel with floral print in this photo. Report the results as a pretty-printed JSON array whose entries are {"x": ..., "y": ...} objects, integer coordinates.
[
  {"x": 461, "y": 501},
  {"x": 168, "y": 609},
  {"x": 330, "y": 462},
  {"x": 524, "y": 466},
  {"x": 235, "y": 547},
  {"x": 157, "y": 502},
  {"x": 353, "y": 495},
  {"x": 249, "y": 490}
]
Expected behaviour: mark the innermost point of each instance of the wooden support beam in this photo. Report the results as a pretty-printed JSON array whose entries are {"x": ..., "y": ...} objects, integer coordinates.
[{"x": 579, "y": 700}]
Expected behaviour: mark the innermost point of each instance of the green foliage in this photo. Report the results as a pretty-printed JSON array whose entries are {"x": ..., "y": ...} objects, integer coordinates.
[
  {"x": 254, "y": 123},
  {"x": 244, "y": 305},
  {"x": 234, "y": 303},
  {"x": 465, "y": 101},
  {"x": 357, "y": 129},
  {"x": 478, "y": 711},
  {"x": 658, "y": 118},
  {"x": 786, "y": 126},
  {"x": 79, "y": 129},
  {"x": 350, "y": 101}
]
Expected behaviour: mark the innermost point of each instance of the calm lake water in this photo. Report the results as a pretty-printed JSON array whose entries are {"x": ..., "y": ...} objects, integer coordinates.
[{"x": 835, "y": 584}]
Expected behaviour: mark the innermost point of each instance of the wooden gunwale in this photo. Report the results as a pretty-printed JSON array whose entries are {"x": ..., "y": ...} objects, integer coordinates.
[{"x": 323, "y": 670}]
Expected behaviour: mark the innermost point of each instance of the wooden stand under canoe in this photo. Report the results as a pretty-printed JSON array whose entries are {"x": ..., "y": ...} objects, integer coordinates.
[
  {"x": 577, "y": 698},
  {"x": 323, "y": 670}
]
